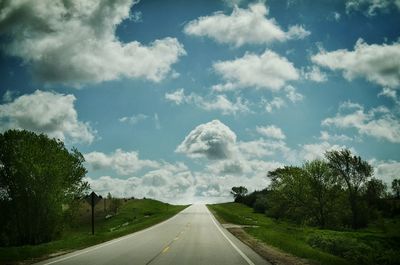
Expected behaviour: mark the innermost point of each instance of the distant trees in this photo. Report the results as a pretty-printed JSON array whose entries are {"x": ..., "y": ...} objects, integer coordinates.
[
  {"x": 238, "y": 193},
  {"x": 337, "y": 191},
  {"x": 38, "y": 176},
  {"x": 355, "y": 172},
  {"x": 396, "y": 187},
  {"x": 114, "y": 203}
]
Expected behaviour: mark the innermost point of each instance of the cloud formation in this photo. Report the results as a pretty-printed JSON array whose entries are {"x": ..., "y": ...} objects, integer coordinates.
[
  {"x": 265, "y": 71},
  {"x": 213, "y": 140},
  {"x": 211, "y": 103},
  {"x": 121, "y": 161},
  {"x": 378, "y": 122},
  {"x": 379, "y": 64},
  {"x": 271, "y": 131},
  {"x": 46, "y": 112},
  {"x": 371, "y": 7},
  {"x": 74, "y": 42},
  {"x": 243, "y": 26}
]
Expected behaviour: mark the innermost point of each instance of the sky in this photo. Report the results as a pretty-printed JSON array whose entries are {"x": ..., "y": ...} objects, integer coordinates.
[{"x": 182, "y": 100}]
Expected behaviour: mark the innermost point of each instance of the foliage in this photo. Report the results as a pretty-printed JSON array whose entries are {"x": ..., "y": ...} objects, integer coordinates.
[
  {"x": 378, "y": 244},
  {"x": 355, "y": 172},
  {"x": 338, "y": 192},
  {"x": 38, "y": 176},
  {"x": 396, "y": 187},
  {"x": 134, "y": 212},
  {"x": 238, "y": 193}
]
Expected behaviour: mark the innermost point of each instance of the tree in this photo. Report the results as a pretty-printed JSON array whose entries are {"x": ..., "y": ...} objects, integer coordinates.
[
  {"x": 323, "y": 190},
  {"x": 238, "y": 193},
  {"x": 38, "y": 175},
  {"x": 396, "y": 188},
  {"x": 354, "y": 172}
]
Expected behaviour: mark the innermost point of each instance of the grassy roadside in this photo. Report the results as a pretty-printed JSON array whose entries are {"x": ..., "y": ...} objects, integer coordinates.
[
  {"x": 133, "y": 216},
  {"x": 317, "y": 245}
]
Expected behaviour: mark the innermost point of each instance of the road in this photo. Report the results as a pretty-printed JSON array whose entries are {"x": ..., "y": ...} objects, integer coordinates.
[{"x": 193, "y": 236}]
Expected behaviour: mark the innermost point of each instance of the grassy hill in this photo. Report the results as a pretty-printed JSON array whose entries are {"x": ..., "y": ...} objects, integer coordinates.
[
  {"x": 132, "y": 216},
  {"x": 378, "y": 244}
]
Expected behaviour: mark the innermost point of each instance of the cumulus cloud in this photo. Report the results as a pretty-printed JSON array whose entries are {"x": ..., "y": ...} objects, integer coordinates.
[
  {"x": 275, "y": 103},
  {"x": 122, "y": 162},
  {"x": 210, "y": 103},
  {"x": 313, "y": 73},
  {"x": 378, "y": 122},
  {"x": 292, "y": 94},
  {"x": 265, "y": 71},
  {"x": 213, "y": 140},
  {"x": 379, "y": 64},
  {"x": 308, "y": 152},
  {"x": 371, "y": 7},
  {"x": 243, "y": 26},
  {"x": 74, "y": 42},
  {"x": 386, "y": 170},
  {"x": 46, "y": 112},
  {"x": 326, "y": 136},
  {"x": 134, "y": 119},
  {"x": 271, "y": 131}
]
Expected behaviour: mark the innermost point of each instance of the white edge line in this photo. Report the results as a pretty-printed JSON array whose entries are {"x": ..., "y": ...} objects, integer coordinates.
[
  {"x": 80, "y": 252},
  {"x": 233, "y": 245}
]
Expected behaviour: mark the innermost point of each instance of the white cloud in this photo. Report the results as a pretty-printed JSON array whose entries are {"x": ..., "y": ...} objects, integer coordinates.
[
  {"x": 8, "y": 95},
  {"x": 243, "y": 26},
  {"x": 121, "y": 161},
  {"x": 46, "y": 112},
  {"x": 74, "y": 42},
  {"x": 378, "y": 122},
  {"x": 213, "y": 140},
  {"x": 386, "y": 170},
  {"x": 178, "y": 96},
  {"x": 275, "y": 103},
  {"x": 134, "y": 119},
  {"x": 325, "y": 136},
  {"x": 157, "y": 123},
  {"x": 313, "y": 151},
  {"x": 371, "y": 7},
  {"x": 314, "y": 74},
  {"x": 210, "y": 103},
  {"x": 271, "y": 131},
  {"x": 266, "y": 71},
  {"x": 379, "y": 64},
  {"x": 292, "y": 94}
]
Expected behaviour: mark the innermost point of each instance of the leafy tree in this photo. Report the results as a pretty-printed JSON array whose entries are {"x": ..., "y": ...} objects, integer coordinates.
[
  {"x": 354, "y": 172},
  {"x": 396, "y": 187},
  {"x": 38, "y": 175},
  {"x": 323, "y": 191},
  {"x": 288, "y": 196},
  {"x": 238, "y": 193}
]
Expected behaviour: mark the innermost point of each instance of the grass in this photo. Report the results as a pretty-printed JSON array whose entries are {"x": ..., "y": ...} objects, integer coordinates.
[
  {"x": 134, "y": 215},
  {"x": 379, "y": 244}
]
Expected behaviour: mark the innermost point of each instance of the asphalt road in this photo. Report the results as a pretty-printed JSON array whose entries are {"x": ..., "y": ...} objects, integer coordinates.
[{"x": 191, "y": 237}]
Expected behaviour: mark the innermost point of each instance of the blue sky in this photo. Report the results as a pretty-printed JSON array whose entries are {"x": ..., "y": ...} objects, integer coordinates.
[{"x": 181, "y": 101}]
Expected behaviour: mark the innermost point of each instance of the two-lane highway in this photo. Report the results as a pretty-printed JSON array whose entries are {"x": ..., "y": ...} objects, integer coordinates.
[{"x": 193, "y": 236}]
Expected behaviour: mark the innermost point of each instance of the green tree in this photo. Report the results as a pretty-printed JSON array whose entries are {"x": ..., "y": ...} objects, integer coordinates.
[
  {"x": 396, "y": 187},
  {"x": 238, "y": 193},
  {"x": 354, "y": 172},
  {"x": 38, "y": 175},
  {"x": 323, "y": 191}
]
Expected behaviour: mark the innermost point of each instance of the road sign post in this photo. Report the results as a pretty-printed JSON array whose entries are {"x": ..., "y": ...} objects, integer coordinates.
[{"x": 93, "y": 199}]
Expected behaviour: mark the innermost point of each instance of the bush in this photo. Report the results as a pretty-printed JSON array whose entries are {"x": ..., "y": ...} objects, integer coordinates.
[{"x": 355, "y": 250}]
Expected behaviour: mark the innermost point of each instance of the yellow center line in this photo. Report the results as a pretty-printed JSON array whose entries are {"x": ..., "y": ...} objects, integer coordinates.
[{"x": 165, "y": 249}]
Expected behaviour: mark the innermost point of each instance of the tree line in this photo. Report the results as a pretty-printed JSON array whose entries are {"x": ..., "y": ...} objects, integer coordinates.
[
  {"x": 337, "y": 191},
  {"x": 40, "y": 182}
]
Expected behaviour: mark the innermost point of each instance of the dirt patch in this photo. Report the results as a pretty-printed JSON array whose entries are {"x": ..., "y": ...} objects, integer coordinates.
[{"x": 272, "y": 255}]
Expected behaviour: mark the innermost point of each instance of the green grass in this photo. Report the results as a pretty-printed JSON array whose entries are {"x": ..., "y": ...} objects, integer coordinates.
[
  {"x": 378, "y": 244},
  {"x": 139, "y": 214}
]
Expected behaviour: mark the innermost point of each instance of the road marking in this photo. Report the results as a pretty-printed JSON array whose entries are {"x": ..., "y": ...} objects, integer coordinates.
[
  {"x": 112, "y": 241},
  {"x": 165, "y": 249},
  {"x": 227, "y": 238}
]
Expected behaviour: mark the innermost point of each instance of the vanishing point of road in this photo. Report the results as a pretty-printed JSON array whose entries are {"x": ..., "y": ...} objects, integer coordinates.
[{"x": 193, "y": 236}]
